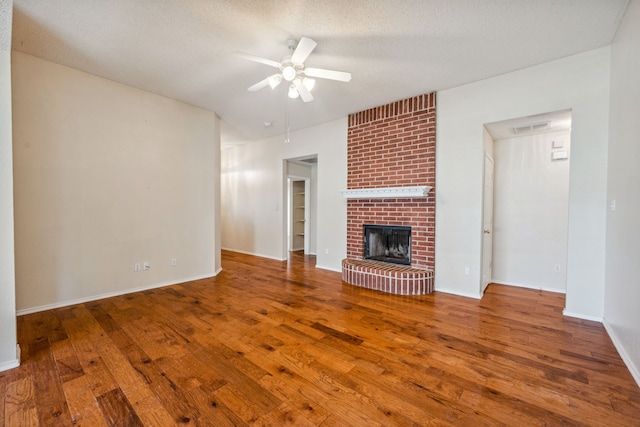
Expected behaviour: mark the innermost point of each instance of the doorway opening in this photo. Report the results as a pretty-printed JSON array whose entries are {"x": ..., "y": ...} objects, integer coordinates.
[
  {"x": 300, "y": 178},
  {"x": 526, "y": 201}
]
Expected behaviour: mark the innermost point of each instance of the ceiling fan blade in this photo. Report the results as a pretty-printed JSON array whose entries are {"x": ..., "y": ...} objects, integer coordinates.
[
  {"x": 303, "y": 50},
  {"x": 259, "y": 85},
  {"x": 257, "y": 59},
  {"x": 272, "y": 81},
  {"x": 303, "y": 91},
  {"x": 341, "y": 76}
]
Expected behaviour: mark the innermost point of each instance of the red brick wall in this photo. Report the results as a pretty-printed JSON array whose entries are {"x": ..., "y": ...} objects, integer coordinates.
[{"x": 394, "y": 146}]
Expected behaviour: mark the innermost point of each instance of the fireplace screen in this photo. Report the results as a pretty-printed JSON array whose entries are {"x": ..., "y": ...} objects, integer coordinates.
[{"x": 389, "y": 243}]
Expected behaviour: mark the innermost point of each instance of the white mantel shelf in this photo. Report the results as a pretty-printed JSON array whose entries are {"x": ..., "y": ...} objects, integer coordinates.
[{"x": 386, "y": 193}]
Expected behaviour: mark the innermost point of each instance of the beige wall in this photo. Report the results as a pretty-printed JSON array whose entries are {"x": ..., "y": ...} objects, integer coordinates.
[
  {"x": 106, "y": 176},
  {"x": 254, "y": 193},
  {"x": 7, "y": 278},
  {"x": 252, "y": 207},
  {"x": 622, "y": 280}
]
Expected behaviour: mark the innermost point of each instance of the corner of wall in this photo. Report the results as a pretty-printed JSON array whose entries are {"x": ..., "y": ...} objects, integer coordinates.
[
  {"x": 618, "y": 343},
  {"x": 217, "y": 198},
  {"x": 8, "y": 336}
]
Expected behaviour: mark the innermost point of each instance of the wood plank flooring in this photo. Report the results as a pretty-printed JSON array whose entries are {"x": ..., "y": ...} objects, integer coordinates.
[{"x": 283, "y": 343}]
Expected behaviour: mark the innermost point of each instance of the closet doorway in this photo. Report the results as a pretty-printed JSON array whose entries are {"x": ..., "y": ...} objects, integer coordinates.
[{"x": 300, "y": 217}]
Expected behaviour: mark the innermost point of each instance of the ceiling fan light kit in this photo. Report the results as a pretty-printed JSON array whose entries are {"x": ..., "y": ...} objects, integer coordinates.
[
  {"x": 275, "y": 80},
  {"x": 309, "y": 83},
  {"x": 293, "y": 93},
  {"x": 292, "y": 70}
]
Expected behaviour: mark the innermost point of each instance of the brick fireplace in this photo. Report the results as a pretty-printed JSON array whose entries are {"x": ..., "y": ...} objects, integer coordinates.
[{"x": 392, "y": 148}]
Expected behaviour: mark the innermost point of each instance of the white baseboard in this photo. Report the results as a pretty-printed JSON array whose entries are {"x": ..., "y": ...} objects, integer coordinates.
[
  {"x": 458, "y": 293},
  {"x": 254, "y": 254},
  {"x": 581, "y": 316},
  {"x": 10, "y": 364},
  {"x": 628, "y": 361},
  {"x": 109, "y": 295},
  {"x": 526, "y": 286},
  {"x": 325, "y": 267}
]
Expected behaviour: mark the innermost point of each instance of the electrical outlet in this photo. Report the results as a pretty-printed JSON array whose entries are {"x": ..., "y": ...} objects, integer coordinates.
[
  {"x": 556, "y": 268},
  {"x": 326, "y": 251},
  {"x": 136, "y": 266},
  {"x": 174, "y": 262},
  {"x": 466, "y": 271},
  {"x": 146, "y": 265}
]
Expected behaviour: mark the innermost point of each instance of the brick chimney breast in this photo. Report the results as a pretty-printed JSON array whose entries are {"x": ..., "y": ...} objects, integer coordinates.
[{"x": 394, "y": 145}]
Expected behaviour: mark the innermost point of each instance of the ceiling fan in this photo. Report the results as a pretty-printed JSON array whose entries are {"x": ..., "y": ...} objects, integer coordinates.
[{"x": 293, "y": 71}]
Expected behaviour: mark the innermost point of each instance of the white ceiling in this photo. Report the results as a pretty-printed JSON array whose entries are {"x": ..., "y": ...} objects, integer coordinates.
[{"x": 394, "y": 49}]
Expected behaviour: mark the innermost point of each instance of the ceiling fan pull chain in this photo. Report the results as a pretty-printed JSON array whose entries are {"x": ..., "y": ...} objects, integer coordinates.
[{"x": 286, "y": 121}]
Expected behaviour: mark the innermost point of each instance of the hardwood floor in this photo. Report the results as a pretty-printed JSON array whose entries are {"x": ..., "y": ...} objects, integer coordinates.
[{"x": 276, "y": 343}]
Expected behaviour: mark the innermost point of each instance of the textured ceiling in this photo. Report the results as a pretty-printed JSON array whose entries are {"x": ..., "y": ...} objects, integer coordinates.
[
  {"x": 394, "y": 49},
  {"x": 5, "y": 25}
]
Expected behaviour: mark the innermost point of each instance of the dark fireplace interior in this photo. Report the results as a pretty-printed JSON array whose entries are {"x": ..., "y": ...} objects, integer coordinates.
[{"x": 388, "y": 243}]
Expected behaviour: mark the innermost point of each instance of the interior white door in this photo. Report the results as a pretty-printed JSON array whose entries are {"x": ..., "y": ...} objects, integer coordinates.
[{"x": 487, "y": 226}]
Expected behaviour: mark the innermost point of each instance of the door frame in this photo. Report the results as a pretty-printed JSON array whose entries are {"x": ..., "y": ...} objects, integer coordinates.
[{"x": 487, "y": 232}]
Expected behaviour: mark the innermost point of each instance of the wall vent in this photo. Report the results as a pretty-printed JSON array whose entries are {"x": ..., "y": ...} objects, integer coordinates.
[{"x": 532, "y": 127}]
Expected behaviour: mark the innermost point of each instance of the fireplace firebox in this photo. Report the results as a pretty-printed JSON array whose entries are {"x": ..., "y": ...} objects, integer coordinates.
[{"x": 388, "y": 243}]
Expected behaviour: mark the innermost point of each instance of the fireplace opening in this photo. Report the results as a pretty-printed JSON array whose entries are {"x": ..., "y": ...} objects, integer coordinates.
[{"x": 388, "y": 243}]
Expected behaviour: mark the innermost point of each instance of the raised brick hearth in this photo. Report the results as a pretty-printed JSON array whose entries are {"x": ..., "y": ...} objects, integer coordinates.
[
  {"x": 385, "y": 277},
  {"x": 392, "y": 146}
]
